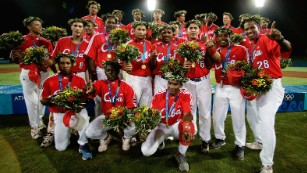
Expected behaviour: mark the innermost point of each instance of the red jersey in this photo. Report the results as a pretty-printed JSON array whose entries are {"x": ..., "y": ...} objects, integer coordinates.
[
  {"x": 176, "y": 109},
  {"x": 265, "y": 31},
  {"x": 34, "y": 41},
  {"x": 52, "y": 85},
  {"x": 65, "y": 45},
  {"x": 131, "y": 33},
  {"x": 122, "y": 94},
  {"x": 208, "y": 31},
  {"x": 236, "y": 53},
  {"x": 145, "y": 48},
  {"x": 200, "y": 69},
  {"x": 178, "y": 40},
  {"x": 164, "y": 51},
  {"x": 100, "y": 49},
  {"x": 265, "y": 54},
  {"x": 97, "y": 20}
]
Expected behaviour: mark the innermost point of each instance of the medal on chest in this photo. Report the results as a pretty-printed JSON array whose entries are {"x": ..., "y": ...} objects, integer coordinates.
[{"x": 143, "y": 66}]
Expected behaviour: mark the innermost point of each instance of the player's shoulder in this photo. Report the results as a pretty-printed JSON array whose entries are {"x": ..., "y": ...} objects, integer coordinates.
[
  {"x": 160, "y": 93},
  {"x": 52, "y": 77},
  {"x": 184, "y": 91}
]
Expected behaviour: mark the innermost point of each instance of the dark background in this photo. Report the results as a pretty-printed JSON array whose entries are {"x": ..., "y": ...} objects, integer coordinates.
[{"x": 290, "y": 15}]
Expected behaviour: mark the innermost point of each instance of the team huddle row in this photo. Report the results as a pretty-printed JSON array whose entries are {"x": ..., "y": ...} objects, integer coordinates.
[{"x": 87, "y": 60}]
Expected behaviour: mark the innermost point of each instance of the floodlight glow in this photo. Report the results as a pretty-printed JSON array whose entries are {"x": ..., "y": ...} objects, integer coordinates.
[
  {"x": 151, "y": 5},
  {"x": 259, "y": 3}
]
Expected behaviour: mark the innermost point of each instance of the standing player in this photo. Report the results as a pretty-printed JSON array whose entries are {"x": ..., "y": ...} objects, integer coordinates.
[
  {"x": 57, "y": 83},
  {"x": 93, "y": 9},
  {"x": 180, "y": 17},
  {"x": 137, "y": 15},
  {"x": 138, "y": 71},
  {"x": 199, "y": 84},
  {"x": 227, "y": 19},
  {"x": 176, "y": 119},
  {"x": 74, "y": 44},
  {"x": 31, "y": 91},
  {"x": 265, "y": 52},
  {"x": 227, "y": 94},
  {"x": 162, "y": 51},
  {"x": 114, "y": 92}
]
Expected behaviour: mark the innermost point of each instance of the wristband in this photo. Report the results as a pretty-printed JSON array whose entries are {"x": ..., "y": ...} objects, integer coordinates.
[{"x": 212, "y": 51}]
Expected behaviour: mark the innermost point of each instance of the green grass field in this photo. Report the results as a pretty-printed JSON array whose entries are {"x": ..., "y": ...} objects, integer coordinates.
[{"x": 19, "y": 153}]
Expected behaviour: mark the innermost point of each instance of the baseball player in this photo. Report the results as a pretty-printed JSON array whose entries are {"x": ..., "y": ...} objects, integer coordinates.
[
  {"x": 31, "y": 91},
  {"x": 137, "y": 15},
  {"x": 208, "y": 29},
  {"x": 265, "y": 52},
  {"x": 114, "y": 92},
  {"x": 180, "y": 17},
  {"x": 163, "y": 51},
  {"x": 175, "y": 105},
  {"x": 57, "y": 83},
  {"x": 176, "y": 39},
  {"x": 93, "y": 9},
  {"x": 139, "y": 73},
  {"x": 199, "y": 84},
  {"x": 100, "y": 50},
  {"x": 227, "y": 94},
  {"x": 74, "y": 44}
]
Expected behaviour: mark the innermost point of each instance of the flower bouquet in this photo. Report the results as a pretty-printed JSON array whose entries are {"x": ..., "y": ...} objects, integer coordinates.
[
  {"x": 127, "y": 52},
  {"x": 72, "y": 101},
  {"x": 34, "y": 55},
  {"x": 117, "y": 118},
  {"x": 255, "y": 82},
  {"x": 11, "y": 40},
  {"x": 173, "y": 69},
  {"x": 236, "y": 71},
  {"x": 119, "y": 36},
  {"x": 236, "y": 38},
  {"x": 191, "y": 51},
  {"x": 285, "y": 62},
  {"x": 53, "y": 33},
  {"x": 145, "y": 119}
]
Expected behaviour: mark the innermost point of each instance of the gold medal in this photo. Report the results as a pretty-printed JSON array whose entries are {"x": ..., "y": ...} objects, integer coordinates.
[
  {"x": 109, "y": 55},
  {"x": 143, "y": 66},
  {"x": 193, "y": 64}
]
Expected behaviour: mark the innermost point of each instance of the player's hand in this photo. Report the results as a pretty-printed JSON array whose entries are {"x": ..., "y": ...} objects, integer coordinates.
[
  {"x": 275, "y": 34},
  {"x": 15, "y": 55},
  {"x": 153, "y": 55},
  {"x": 128, "y": 67},
  {"x": 203, "y": 38},
  {"x": 210, "y": 44},
  {"x": 89, "y": 87},
  {"x": 187, "y": 137}
]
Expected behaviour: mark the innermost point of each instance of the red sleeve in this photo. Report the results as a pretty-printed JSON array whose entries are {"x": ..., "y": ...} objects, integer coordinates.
[
  {"x": 98, "y": 86},
  {"x": 46, "y": 89},
  {"x": 187, "y": 103}
]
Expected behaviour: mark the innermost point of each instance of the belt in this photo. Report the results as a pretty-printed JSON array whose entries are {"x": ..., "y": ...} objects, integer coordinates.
[{"x": 198, "y": 79}]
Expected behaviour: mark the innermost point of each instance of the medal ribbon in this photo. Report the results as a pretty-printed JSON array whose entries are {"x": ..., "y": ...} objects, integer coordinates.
[
  {"x": 169, "y": 111},
  {"x": 224, "y": 64},
  {"x": 166, "y": 57},
  {"x": 113, "y": 99},
  {"x": 60, "y": 82}
]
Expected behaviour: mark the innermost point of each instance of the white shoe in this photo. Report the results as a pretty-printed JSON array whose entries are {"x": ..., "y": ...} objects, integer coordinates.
[
  {"x": 126, "y": 144},
  {"x": 48, "y": 140},
  {"x": 104, "y": 143},
  {"x": 267, "y": 169},
  {"x": 254, "y": 146},
  {"x": 36, "y": 133},
  {"x": 133, "y": 141},
  {"x": 170, "y": 138}
]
